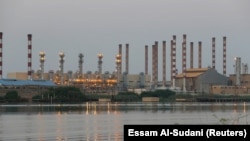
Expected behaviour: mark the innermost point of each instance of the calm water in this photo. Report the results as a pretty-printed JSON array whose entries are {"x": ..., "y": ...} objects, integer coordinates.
[{"x": 104, "y": 121}]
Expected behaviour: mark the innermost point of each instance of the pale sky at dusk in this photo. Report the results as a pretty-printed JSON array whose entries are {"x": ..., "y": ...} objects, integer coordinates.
[{"x": 93, "y": 26}]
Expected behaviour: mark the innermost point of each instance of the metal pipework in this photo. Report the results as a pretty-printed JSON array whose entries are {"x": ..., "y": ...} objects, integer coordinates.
[
  {"x": 80, "y": 64},
  {"x": 42, "y": 60},
  {"x": 61, "y": 61},
  {"x": 100, "y": 56}
]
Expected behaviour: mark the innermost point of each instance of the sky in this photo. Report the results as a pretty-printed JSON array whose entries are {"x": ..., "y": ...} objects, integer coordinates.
[{"x": 94, "y": 26}]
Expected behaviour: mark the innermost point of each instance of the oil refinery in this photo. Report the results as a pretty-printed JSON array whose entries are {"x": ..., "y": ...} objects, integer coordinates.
[{"x": 189, "y": 79}]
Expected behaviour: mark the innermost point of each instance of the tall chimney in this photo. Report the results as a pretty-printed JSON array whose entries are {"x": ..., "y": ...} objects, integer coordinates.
[
  {"x": 29, "y": 56},
  {"x": 191, "y": 55},
  {"x": 164, "y": 63},
  {"x": 127, "y": 58},
  {"x": 173, "y": 60},
  {"x": 156, "y": 63},
  {"x": 184, "y": 54},
  {"x": 199, "y": 54},
  {"x": 237, "y": 70},
  {"x": 146, "y": 59},
  {"x": 1, "y": 55},
  {"x": 213, "y": 52},
  {"x": 184, "y": 59},
  {"x": 120, "y": 52},
  {"x": 153, "y": 65},
  {"x": 224, "y": 56}
]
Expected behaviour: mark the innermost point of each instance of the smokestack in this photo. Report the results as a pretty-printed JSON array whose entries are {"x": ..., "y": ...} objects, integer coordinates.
[
  {"x": 127, "y": 57},
  {"x": 29, "y": 56},
  {"x": 191, "y": 55},
  {"x": 153, "y": 65},
  {"x": 237, "y": 70},
  {"x": 184, "y": 54},
  {"x": 146, "y": 59},
  {"x": 173, "y": 60},
  {"x": 224, "y": 56},
  {"x": 213, "y": 52},
  {"x": 164, "y": 63},
  {"x": 1, "y": 55},
  {"x": 80, "y": 65},
  {"x": 199, "y": 54},
  {"x": 156, "y": 63},
  {"x": 120, "y": 53}
]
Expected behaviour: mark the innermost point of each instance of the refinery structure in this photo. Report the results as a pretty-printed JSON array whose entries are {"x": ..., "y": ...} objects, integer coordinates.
[{"x": 189, "y": 79}]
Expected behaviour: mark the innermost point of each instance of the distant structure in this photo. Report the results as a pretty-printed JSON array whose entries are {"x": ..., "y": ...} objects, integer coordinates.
[
  {"x": 127, "y": 58},
  {"x": 29, "y": 56},
  {"x": 61, "y": 61},
  {"x": 224, "y": 56},
  {"x": 244, "y": 68},
  {"x": 213, "y": 52},
  {"x": 42, "y": 59},
  {"x": 120, "y": 53},
  {"x": 118, "y": 67},
  {"x": 1, "y": 55},
  {"x": 100, "y": 56},
  {"x": 173, "y": 60},
  {"x": 191, "y": 55},
  {"x": 164, "y": 79},
  {"x": 146, "y": 59},
  {"x": 155, "y": 64},
  {"x": 200, "y": 54},
  {"x": 184, "y": 61},
  {"x": 80, "y": 62},
  {"x": 237, "y": 70},
  {"x": 99, "y": 81}
]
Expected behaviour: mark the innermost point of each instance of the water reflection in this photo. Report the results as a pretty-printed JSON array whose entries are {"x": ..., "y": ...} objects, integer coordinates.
[
  {"x": 104, "y": 121},
  {"x": 96, "y": 108}
]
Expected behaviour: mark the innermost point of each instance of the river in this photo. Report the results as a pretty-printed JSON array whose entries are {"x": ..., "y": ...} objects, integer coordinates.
[{"x": 94, "y": 121}]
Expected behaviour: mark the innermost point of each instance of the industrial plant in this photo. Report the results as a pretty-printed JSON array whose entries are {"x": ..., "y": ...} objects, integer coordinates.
[{"x": 189, "y": 80}]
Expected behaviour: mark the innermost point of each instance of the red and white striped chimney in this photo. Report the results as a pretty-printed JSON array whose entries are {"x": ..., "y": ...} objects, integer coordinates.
[
  {"x": 164, "y": 63},
  {"x": 213, "y": 52},
  {"x": 224, "y": 56},
  {"x": 184, "y": 60},
  {"x": 173, "y": 60},
  {"x": 1, "y": 55},
  {"x": 29, "y": 55}
]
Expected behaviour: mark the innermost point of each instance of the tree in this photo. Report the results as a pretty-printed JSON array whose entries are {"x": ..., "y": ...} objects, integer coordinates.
[{"x": 12, "y": 96}]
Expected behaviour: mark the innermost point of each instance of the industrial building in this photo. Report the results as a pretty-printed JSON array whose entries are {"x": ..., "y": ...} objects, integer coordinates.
[{"x": 200, "y": 80}]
